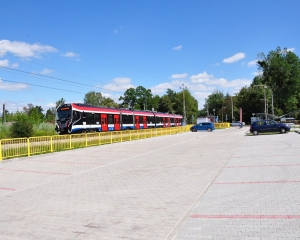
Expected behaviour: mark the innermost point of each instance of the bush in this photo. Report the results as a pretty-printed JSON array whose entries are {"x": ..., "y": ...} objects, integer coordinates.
[
  {"x": 21, "y": 129},
  {"x": 4, "y": 131}
]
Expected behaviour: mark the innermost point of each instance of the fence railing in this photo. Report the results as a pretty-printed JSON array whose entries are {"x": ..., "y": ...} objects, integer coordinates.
[
  {"x": 19, "y": 147},
  {"x": 222, "y": 125}
]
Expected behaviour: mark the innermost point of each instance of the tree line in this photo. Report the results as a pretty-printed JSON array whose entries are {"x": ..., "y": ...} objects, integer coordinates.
[
  {"x": 277, "y": 85},
  {"x": 138, "y": 98}
]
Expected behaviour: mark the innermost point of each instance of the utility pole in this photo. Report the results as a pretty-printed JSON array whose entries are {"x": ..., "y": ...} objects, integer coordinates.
[
  {"x": 3, "y": 114},
  {"x": 272, "y": 106},
  {"x": 231, "y": 110},
  {"x": 207, "y": 112}
]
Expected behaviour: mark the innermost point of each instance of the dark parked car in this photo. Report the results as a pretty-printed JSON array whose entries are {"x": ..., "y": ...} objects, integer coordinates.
[
  {"x": 208, "y": 126},
  {"x": 263, "y": 126}
]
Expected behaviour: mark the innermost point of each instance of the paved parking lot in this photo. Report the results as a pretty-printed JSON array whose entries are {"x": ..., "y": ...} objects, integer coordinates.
[{"x": 218, "y": 185}]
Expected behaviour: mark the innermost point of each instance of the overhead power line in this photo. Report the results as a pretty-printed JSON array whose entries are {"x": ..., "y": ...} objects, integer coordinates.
[
  {"x": 36, "y": 85},
  {"x": 59, "y": 79},
  {"x": 79, "y": 43}
]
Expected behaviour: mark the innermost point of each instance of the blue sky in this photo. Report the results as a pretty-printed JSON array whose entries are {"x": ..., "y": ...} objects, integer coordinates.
[{"x": 64, "y": 49}]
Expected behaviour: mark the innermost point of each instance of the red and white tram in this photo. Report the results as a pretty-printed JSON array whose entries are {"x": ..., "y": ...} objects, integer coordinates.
[{"x": 77, "y": 117}]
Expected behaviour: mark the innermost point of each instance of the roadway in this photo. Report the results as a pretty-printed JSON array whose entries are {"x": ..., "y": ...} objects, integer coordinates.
[{"x": 204, "y": 185}]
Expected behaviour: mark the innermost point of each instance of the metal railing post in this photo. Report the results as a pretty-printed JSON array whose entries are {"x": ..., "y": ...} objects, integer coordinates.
[
  {"x": 28, "y": 147},
  {"x": 0, "y": 150},
  {"x": 70, "y": 139},
  {"x": 51, "y": 144}
]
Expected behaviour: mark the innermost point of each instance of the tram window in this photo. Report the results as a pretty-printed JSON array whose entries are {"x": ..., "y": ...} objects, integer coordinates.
[
  {"x": 97, "y": 118},
  {"x": 110, "y": 119},
  {"x": 130, "y": 119},
  {"x": 76, "y": 115},
  {"x": 148, "y": 119},
  {"x": 158, "y": 119},
  {"x": 124, "y": 119},
  {"x": 141, "y": 119},
  {"x": 152, "y": 119},
  {"x": 172, "y": 120},
  {"x": 89, "y": 118}
]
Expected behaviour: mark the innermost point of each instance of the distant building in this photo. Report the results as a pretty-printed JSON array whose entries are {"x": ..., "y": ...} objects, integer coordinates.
[{"x": 203, "y": 119}]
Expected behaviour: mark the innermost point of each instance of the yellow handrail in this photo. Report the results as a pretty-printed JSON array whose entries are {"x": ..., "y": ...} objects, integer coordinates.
[{"x": 19, "y": 147}]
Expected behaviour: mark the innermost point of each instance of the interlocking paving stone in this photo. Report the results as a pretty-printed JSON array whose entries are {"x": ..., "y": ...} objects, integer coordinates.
[{"x": 150, "y": 189}]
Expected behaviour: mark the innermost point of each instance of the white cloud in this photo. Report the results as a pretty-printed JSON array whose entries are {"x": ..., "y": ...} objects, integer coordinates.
[
  {"x": 161, "y": 88},
  {"x": 201, "y": 78},
  {"x": 291, "y": 49},
  {"x": 252, "y": 63},
  {"x": 12, "y": 86},
  {"x": 46, "y": 71},
  {"x": 178, "y": 48},
  {"x": 5, "y": 63},
  {"x": 234, "y": 58},
  {"x": 119, "y": 84},
  {"x": 70, "y": 55},
  {"x": 23, "y": 49},
  {"x": 179, "y": 75}
]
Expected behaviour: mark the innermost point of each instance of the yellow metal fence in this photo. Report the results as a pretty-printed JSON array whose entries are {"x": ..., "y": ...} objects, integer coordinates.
[
  {"x": 18, "y": 147},
  {"x": 222, "y": 125}
]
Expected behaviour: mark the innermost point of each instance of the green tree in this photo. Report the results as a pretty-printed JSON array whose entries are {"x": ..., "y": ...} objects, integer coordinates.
[
  {"x": 50, "y": 115},
  {"x": 215, "y": 102},
  {"x": 60, "y": 102},
  {"x": 165, "y": 104},
  {"x": 143, "y": 96},
  {"x": 35, "y": 113},
  {"x": 109, "y": 102},
  {"x": 93, "y": 98},
  {"x": 129, "y": 99},
  {"x": 281, "y": 73}
]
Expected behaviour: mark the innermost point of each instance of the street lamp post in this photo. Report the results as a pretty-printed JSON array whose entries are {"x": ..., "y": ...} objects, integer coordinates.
[
  {"x": 264, "y": 86},
  {"x": 222, "y": 113},
  {"x": 214, "y": 115},
  {"x": 231, "y": 110},
  {"x": 184, "y": 112}
]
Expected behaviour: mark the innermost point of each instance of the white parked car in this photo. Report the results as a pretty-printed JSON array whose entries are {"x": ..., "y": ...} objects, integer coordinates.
[{"x": 236, "y": 123}]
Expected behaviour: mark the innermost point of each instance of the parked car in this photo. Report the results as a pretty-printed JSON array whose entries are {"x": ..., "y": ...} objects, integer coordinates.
[
  {"x": 208, "y": 126},
  {"x": 236, "y": 123},
  {"x": 268, "y": 126}
]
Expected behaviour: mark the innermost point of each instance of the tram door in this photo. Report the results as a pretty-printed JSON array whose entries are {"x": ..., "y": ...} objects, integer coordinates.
[
  {"x": 104, "y": 124},
  {"x": 169, "y": 122},
  {"x": 117, "y": 122},
  {"x": 164, "y": 121},
  {"x": 145, "y": 122},
  {"x": 137, "y": 122}
]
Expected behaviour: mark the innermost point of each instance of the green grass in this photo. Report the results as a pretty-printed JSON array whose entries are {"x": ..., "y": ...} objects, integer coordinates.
[{"x": 42, "y": 129}]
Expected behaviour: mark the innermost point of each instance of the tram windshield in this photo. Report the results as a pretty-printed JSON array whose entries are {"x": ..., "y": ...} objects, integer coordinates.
[{"x": 63, "y": 115}]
